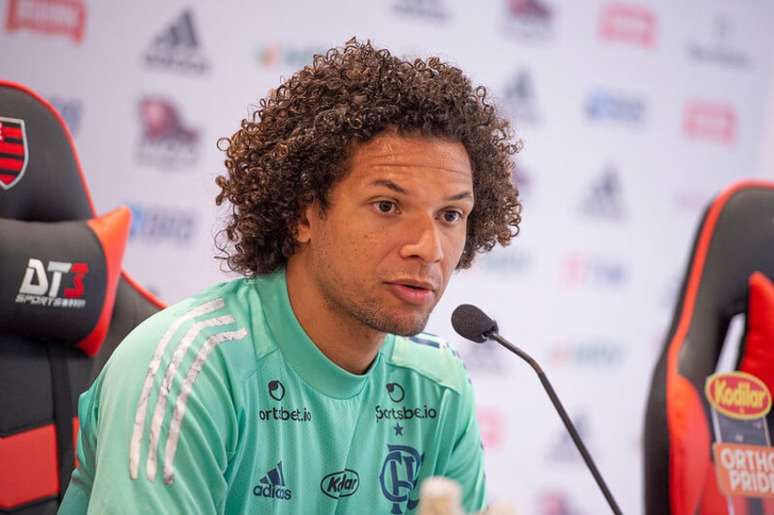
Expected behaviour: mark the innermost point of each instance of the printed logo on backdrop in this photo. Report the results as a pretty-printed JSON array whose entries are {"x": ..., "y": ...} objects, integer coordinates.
[
  {"x": 632, "y": 24},
  {"x": 605, "y": 106},
  {"x": 592, "y": 353},
  {"x": 14, "y": 154},
  {"x": 156, "y": 224},
  {"x": 71, "y": 110},
  {"x": 166, "y": 141},
  {"x": 38, "y": 288},
  {"x": 589, "y": 270},
  {"x": 482, "y": 359},
  {"x": 604, "y": 198},
  {"x": 563, "y": 449},
  {"x": 177, "y": 48},
  {"x": 555, "y": 502},
  {"x": 52, "y": 17},
  {"x": 434, "y": 10},
  {"x": 718, "y": 46},
  {"x": 282, "y": 55},
  {"x": 519, "y": 100},
  {"x": 528, "y": 20},
  {"x": 710, "y": 121},
  {"x": 510, "y": 260},
  {"x": 493, "y": 427}
]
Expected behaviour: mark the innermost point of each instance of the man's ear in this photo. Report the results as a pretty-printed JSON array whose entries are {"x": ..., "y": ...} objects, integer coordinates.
[{"x": 305, "y": 222}]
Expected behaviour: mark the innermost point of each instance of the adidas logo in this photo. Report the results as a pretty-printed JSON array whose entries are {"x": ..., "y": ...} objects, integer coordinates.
[
  {"x": 605, "y": 200},
  {"x": 272, "y": 485},
  {"x": 177, "y": 47}
]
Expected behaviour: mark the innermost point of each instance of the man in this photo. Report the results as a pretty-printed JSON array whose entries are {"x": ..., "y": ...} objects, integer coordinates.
[{"x": 357, "y": 189}]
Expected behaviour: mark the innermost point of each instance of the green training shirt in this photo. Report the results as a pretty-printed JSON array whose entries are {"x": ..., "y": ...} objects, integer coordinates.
[{"x": 222, "y": 404}]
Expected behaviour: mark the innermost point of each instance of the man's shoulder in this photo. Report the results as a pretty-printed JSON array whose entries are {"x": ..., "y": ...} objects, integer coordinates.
[
  {"x": 432, "y": 357},
  {"x": 214, "y": 321}
]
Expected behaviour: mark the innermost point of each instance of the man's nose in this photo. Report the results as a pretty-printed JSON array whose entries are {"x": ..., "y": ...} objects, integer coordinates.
[{"x": 423, "y": 240}]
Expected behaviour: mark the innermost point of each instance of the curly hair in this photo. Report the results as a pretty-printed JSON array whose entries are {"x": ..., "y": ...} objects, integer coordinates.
[{"x": 296, "y": 145}]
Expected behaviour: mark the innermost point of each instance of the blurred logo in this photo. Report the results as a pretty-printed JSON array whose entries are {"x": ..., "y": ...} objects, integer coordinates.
[
  {"x": 279, "y": 55},
  {"x": 510, "y": 260},
  {"x": 717, "y": 49},
  {"x": 555, "y": 503},
  {"x": 482, "y": 358},
  {"x": 166, "y": 142},
  {"x": 53, "y": 17},
  {"x": 602, "y": 105},
  {"x": 710, "y": 121},
  {"x": 71, "y": 110},
  {"x": 605, "y": 198},
  {"x": 591, "y": 353},
  {"x": 435, "y": 10},
  {"x": 14, "y": 154},
  {"x": 519, "y": 98},
  {"x": 563, "y": 450},
  {"x": 589, "y": 270},
  {"x": 528, "y": 19},
  {"x": 493, "y": 428},
  {"x": 628, "y": 24},
  {"x": 177, "y": 48},
  {"x": 162, "y": 224},
  {"x": 691, "y": 202}
]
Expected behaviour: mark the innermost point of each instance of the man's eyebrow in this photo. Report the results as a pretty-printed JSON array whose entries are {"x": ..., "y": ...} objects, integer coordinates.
[
  {"x": 461, "y": 196},
  {"x": 389, "y": 185}
]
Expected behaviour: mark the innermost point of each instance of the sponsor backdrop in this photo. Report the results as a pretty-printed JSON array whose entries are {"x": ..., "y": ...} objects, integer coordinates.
[{"x": 632, "y": 115}]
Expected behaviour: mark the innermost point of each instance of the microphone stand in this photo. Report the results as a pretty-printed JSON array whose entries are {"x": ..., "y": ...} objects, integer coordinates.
[{"x": 493, "y": 335}]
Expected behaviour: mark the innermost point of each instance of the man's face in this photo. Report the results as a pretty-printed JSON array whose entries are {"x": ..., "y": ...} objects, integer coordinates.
[{"x": 393, "y": 233}]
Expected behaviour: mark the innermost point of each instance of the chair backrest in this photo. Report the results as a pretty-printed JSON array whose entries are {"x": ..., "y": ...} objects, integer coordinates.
[
  {"x": 734, "y": 240},
  {"x": 66, "y": 303}
]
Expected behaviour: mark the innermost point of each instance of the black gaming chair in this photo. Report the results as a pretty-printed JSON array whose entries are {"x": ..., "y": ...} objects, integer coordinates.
[
  {"x": 65, "y": 303},
  {"x": 735, "y": 240}
]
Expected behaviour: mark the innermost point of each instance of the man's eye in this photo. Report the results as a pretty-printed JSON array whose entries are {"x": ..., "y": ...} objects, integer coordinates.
[
  {"x": 452, "y": 216},
  {"x": 385, "y": 206}
]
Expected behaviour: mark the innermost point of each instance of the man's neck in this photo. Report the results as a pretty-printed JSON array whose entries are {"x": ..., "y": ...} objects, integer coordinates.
[{"x": 345, "y": 341}]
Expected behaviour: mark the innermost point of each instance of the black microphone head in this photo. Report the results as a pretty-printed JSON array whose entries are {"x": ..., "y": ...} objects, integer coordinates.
[{"x": 472, "y": 323}]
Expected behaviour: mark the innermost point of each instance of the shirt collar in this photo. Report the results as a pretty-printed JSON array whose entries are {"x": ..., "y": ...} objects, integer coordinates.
[{"x": 299, "y": 351}]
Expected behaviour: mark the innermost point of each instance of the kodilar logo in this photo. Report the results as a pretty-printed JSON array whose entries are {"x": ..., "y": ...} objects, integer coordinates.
[
  {"x": 340, "y": 484},
  {"x": 738, "y": 395}
]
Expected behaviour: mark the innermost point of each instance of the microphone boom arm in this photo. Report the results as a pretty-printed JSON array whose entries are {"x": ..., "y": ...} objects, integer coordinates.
[{"x": 493, "y": 335}]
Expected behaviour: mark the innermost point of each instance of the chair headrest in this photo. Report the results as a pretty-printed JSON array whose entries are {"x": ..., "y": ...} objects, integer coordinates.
[
  {"x": 58, "y": 280},
  {"x": 40, "y": 175}
]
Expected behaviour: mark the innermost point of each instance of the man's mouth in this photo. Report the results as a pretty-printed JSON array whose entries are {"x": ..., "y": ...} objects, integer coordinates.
[{"x": 411, "y": 291}]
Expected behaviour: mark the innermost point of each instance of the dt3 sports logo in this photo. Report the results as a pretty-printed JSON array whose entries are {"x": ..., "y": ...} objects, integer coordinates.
[
  {"x": 272, "y": 485},
  {"x": 37, "y": 290},
  {"x": 65, "y": 17},
  {"x": 340, "y": 484},
  {"x": 399, "y": 475}
]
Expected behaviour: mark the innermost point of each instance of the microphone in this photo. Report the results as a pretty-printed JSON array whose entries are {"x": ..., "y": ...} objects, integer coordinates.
[{"x": 472, "y": 323}]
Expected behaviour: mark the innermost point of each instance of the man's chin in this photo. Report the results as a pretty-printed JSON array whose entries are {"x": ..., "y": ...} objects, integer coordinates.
[{"x": 403, "y": 325}]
